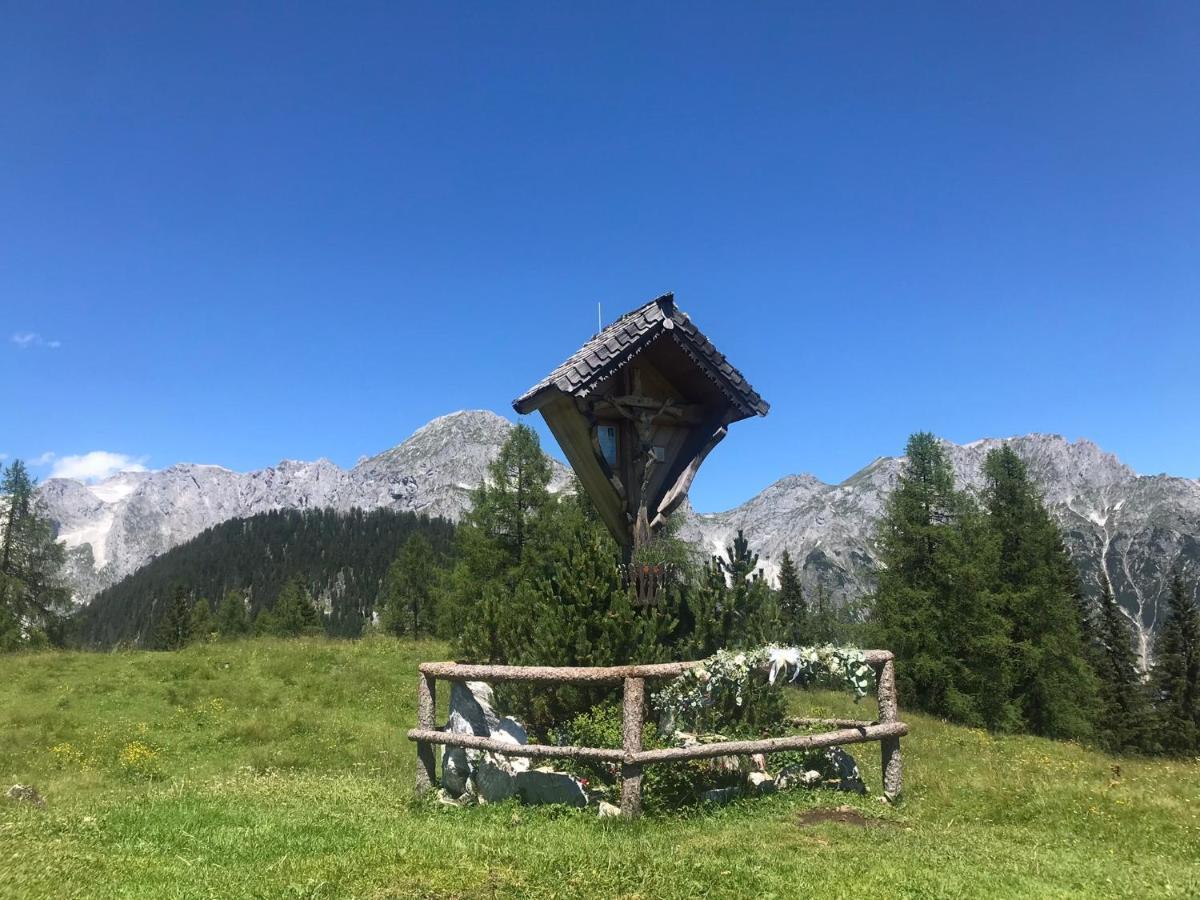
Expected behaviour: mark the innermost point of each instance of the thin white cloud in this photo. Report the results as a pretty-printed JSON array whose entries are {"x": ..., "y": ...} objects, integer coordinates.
[
  {"x": 44, "y": 460},
  {"x": 26, "y": 339},
  {"x": 94, "y": 466}
]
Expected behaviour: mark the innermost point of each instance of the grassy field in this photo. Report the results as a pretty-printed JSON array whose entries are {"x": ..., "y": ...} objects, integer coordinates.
[{"x": 279, "y": 769}]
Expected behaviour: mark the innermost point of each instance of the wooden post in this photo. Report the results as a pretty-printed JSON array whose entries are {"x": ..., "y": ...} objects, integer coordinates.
[
  {"x": 426, "y": 752},
  {"x": 889, "y": 711},
  {"x": 631, "y": 741}
]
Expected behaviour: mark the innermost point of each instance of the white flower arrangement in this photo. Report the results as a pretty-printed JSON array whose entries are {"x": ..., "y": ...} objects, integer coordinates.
[{"x": 729, "y": 672}]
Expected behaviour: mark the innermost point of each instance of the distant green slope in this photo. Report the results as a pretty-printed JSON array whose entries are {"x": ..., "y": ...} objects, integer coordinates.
[
  {"x": 279, "y": 769},
  {"x": 342, "y": 558}
]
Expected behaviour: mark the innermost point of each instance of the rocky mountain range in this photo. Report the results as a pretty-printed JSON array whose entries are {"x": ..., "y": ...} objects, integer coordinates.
[
  {"x": 1135, "y": 526},
  {"x": 114, "y": 527}
]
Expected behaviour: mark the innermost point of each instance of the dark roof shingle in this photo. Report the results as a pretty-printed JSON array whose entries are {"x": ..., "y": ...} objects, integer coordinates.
[{"x": 617, "y": 344}]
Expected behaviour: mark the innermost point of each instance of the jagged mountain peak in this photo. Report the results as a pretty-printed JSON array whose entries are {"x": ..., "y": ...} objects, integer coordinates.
[
  {"x": 114, "y": 527},
  {"x": 1132, "y": 527},
  {"x": 448, "y": 431}
]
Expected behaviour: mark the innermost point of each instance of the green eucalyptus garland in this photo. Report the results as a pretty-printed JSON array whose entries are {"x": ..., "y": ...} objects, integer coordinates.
[{"x": 729, "y": 673}]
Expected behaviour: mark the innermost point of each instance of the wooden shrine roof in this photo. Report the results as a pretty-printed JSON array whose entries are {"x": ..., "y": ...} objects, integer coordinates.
[{"x": 614, "y": 346}]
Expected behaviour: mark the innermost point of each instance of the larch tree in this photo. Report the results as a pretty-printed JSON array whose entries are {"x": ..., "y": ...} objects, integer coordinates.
[
  {"x": 294, "y": 614},
  {"x": 932, "y": 607},
  {"x": 731, "y": 606},
  {"x": 203, "y": 624},
  {"x": 1036, "y": 590}
]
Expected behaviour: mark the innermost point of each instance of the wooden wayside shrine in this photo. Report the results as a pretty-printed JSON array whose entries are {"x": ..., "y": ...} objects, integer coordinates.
[
  {"x": 887, "y": 729},
  {"x": 636, "y": 410}
]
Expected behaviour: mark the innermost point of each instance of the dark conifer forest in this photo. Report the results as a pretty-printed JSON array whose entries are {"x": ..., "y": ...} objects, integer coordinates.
[{"x": 340, "y": 559}]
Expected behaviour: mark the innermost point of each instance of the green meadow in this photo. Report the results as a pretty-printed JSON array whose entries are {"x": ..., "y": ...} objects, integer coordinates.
[{"x": 270, "y": 768}]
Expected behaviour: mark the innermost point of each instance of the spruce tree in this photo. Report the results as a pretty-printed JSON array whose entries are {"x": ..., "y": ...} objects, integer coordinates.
[
  {"x": 294, "y": 614},
  {"x": 1176, "y": 672},
  {"x": 822, "y": 620},
  {"x": 509, "y": 506},
  {"x": 731, "y": 606},
  {"x": 203, "y": 624},
  {"x": 175, "y": 627},
  {"x": 231, "y": 617},
  {"x": 793, "y": 609},
  {"x": 1036, "y": 588},
  {"x": 266, "y": 624},
  {"x": 581, "y": 613},
  {"x": 931, "y": 607},
  {"x": 17, "y": 488},
  {"x": 556, "y": 596},
  {"x": 408, "y": 589},
  {"x": 505, "y": 538},
  {"x": 33, "y": 602},
  {"x": 1124, "y": 708}
]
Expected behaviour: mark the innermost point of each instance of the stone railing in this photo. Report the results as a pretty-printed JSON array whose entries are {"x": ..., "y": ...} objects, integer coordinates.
[{"x": 888, "y": 729}]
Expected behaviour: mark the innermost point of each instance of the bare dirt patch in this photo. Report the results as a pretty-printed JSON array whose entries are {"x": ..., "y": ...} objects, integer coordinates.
[{"x": 843, "y": 815}]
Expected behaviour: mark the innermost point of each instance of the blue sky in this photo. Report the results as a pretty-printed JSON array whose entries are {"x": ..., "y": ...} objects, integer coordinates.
[{"x": 233, "y": 234}]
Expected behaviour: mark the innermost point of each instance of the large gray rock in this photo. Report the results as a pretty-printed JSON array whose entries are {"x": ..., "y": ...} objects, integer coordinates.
[
  {"x": 456, "y": 771},
  {"x": 466, "y": 771},
  {"x": 471, "y": 707},
  {"x": 539, "y": 786},
  {"x": 494, "y": 782}
]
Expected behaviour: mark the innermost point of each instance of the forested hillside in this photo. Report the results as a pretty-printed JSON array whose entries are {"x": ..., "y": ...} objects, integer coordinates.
[{"x": 340, "y": 558}]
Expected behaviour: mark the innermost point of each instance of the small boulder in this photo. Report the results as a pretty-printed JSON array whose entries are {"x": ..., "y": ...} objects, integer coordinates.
[
  {"x": 845, "y": 771},
  {"x": 447, "y": 799},
  {"x": 797, "y": 776},
  {"x": 761, "y": 783},
  {"x": 26, "y": 793},
  {"x": 721, "y": 795},
  {"x": 607, "y": 810}
]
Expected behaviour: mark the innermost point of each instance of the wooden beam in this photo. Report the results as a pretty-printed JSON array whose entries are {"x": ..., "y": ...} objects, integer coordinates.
[
  {"x": 508, "y": 748},
  {"x": 889, "y": 711},
  {"x": 774, "y": 745},
  {"x": 633, "y": 716},
  {"x": 573, "y": 433},
  {"x": 455, "y": 671},
  {"x": 426, "y": 756},
  {"x": 683, "y": 483}
]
